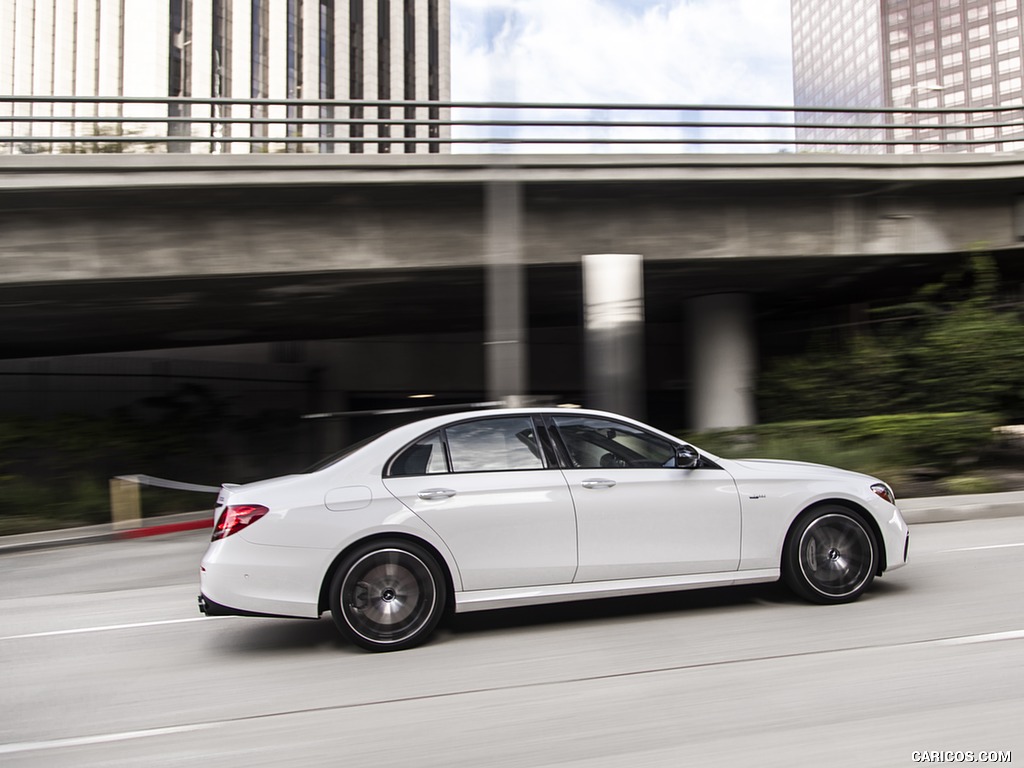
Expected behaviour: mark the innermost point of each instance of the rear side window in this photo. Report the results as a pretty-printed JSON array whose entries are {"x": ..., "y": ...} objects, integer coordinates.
[
  {"x": 485, "y": 445},
  {"x": 494, "y": 445},
  {"x": 424, "y": 457}
]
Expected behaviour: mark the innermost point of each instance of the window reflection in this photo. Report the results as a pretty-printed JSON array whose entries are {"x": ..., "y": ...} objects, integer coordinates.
[
  {"x": 491, "y": 445},
  {"x": 425, "y": 457},
  {"x": 601, "y": 443}
]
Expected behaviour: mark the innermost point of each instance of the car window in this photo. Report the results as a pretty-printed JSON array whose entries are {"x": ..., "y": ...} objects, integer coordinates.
[
  {"x": 424, "y": 457},
  {"x": 492, "y": 445},
  {"x": 595, "y": 443}
]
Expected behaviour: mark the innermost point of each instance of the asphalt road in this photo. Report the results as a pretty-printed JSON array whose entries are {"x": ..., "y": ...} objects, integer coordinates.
[{"x": 106, "y": 662}]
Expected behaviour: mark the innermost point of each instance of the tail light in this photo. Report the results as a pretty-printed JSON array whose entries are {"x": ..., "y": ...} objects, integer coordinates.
[{"x": 235, "y": 518}]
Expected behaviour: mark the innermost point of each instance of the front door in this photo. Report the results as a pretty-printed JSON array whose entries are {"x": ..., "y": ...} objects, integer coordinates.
[{"x": 638, "y": 515}]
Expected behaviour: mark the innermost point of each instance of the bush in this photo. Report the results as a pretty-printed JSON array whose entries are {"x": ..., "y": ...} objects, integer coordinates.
[
  {"x": 954, "y": 347},
  {"x": 869, "y": 444}
]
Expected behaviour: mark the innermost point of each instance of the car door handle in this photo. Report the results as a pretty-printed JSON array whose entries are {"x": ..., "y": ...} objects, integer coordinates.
[
  {"x": 432, "y": 494},
  {"x": 598, "y": 482}
]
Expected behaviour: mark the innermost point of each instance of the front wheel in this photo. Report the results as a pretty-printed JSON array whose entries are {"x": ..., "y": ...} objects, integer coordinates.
[
  {"x": 831, "y": 555},
  {"x": 388, "y": 595}
]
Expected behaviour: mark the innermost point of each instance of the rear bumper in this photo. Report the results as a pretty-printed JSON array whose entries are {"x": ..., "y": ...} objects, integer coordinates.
[{"x": 208, "y": 607}]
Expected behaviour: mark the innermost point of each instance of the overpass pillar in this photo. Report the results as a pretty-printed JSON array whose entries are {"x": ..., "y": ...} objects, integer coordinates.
[
  {"x": 505, "y": 340},
  {"x": 723, "y": 361},
  {"x": 613, "y": 303}
]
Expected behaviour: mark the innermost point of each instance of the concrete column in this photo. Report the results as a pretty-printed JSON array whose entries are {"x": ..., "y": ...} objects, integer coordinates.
[
  {"x": 613, "y": 299},
  {"x": 723, "y": 361},
  {"x": 505, "y": 343}
]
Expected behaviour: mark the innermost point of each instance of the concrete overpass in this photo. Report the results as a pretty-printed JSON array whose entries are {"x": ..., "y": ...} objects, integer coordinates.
[{"x": 378, "y": 264}]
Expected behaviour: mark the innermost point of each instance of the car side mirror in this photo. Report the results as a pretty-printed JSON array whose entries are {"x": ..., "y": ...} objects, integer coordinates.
[{"x": 687, "y": 457}]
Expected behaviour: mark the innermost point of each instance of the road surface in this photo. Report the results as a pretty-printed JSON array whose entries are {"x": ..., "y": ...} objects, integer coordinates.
[{"x": 106, "y": 662}]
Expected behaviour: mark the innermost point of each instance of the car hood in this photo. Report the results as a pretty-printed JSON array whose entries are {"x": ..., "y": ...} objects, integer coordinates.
[{"x": 792, "y": 469}]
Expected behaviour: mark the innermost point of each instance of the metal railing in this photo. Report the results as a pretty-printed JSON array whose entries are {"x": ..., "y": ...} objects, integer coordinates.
[{"x": 51, "y": 124}]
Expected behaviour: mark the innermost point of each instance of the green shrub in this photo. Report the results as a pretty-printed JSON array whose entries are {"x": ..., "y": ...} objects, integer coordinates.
[
  {"x": 869, "y": 444},
  {"x": 968, "y": 484},
  {"x": 956, "y": 346}
]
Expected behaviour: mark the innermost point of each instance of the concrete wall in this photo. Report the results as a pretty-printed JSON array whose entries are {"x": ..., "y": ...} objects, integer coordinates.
[{"x": 107, "y": 219}]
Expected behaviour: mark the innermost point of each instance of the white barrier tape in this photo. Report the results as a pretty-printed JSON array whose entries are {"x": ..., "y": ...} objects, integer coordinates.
[{"x": 174, "y": 485}]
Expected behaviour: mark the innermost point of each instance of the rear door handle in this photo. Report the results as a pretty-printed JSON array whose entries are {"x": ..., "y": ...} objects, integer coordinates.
[
  {"x": 598, "y": 482},
  {"x": 432, "y": 494}
]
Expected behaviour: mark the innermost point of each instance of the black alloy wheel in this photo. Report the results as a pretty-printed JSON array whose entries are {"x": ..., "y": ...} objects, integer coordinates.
[
  {"x": 388, "y": 595},
  {"x": 830, "y": 556}
]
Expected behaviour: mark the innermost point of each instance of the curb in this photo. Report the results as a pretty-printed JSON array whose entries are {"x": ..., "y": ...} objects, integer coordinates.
[
  {"x": 89, "y": 534},
  {"x": 922, "y": 511},
  {"x": 948, "y": 509}
]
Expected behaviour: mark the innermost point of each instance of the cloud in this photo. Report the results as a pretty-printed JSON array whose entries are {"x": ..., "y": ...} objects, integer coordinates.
[
  {"x": 694, "y": 52},
  {"x": 653, "y": 51}
]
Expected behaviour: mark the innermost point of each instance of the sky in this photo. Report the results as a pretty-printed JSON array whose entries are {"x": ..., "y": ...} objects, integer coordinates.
[{"x": 622, "y": 51}]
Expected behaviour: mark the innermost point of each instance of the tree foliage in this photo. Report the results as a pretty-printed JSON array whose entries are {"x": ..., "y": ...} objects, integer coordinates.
[{"x": 951, "y": 348}]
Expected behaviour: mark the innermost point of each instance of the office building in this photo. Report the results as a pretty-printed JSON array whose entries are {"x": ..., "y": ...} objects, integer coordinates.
[
  {"x": 231, "y": 49},
  {"x": 923, "y": 54}
]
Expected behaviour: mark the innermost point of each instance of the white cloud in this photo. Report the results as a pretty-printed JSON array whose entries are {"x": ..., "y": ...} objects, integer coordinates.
[
  {"x": 651, "y": 51},
  {"x": 694, "y": 52}
]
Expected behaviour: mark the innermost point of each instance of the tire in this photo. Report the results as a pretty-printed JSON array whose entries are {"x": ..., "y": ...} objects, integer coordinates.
[
  {"x": 831, "y": 555},
  {"x": 388, "y": 595}
]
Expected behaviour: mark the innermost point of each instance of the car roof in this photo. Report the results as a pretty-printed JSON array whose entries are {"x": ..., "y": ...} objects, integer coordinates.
[{"x": 417, "y": 428}]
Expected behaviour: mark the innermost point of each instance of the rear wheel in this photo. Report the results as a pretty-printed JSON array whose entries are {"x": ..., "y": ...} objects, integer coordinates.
[
  {"x": 830, "y": 556},
  {"x": 388, "y": 595}
]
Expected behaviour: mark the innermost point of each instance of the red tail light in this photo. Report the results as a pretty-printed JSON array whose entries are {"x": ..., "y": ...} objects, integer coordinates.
[{"x": 235, "y": 518}]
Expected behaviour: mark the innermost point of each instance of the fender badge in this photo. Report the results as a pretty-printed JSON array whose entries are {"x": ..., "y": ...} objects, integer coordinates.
[{"x": 759, "y": 496}]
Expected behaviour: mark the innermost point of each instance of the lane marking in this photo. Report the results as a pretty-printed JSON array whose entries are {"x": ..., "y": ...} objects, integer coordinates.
[
  {"x": 993, "y": 637},
  {"x": 106, "y": 738},
  {"x": 989, "y": 546},
  {"x": 83, "y": 630}
]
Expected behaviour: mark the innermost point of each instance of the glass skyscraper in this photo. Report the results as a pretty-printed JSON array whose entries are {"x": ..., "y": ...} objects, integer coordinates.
[
  {"x": 236, "y": 49},
  {"x": 926, "y": 54}
]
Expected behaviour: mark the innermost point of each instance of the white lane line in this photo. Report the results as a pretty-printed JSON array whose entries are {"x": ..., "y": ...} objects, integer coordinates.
[
  {"x": 106, "y": 738},
  {"x": 110, "y": 627},
  {"x": 990, "y": 546},
  {"x": 993, "y": 637}
]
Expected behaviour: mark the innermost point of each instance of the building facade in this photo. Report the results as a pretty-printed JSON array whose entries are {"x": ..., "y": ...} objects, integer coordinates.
[
  {"x": 275, "y": 50},
  {"x": 959, "y": 55}
]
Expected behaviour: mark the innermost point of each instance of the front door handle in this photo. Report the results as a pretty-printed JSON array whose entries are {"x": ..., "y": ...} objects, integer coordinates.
[
  {"x": 598, "y": 482},
  {"x": 432, "y": 494}
]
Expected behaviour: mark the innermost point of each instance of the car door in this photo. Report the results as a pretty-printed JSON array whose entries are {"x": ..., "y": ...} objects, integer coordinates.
[
  {"x": 637, "y": 514},
  {"x": 502, "y": 507}
]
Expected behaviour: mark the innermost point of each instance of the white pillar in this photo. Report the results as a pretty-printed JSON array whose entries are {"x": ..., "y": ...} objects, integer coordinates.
[
  {"x": 505, "y": 344},
  {"x": 613, "y": 298},
  {"x": 723, "y": 361}
]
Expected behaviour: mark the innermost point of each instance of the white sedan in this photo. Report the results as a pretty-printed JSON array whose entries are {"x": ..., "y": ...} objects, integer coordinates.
[{"x": 500, "y": 508}]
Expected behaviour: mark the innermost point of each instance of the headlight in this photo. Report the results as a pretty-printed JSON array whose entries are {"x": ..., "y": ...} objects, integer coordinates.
[{"x": 885, "y": 492}]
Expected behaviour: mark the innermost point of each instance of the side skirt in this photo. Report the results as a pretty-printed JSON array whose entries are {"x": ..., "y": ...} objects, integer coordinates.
[{"x": 487, "y": 599}]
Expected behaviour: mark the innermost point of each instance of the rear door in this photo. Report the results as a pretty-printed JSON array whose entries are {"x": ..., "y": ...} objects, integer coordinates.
[{"x": 493, "y": 495}]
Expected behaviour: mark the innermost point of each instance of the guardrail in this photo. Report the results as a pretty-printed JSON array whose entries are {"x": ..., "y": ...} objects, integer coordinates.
[{"x": 79, "y": 124}]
